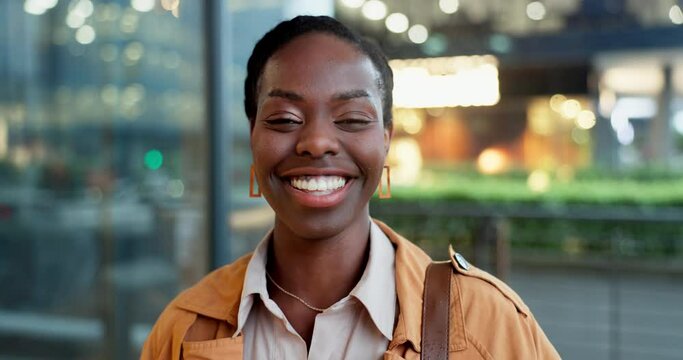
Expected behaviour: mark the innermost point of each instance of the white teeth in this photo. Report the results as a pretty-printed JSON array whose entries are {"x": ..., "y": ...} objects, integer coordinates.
[{"x": 325, "y": 184}]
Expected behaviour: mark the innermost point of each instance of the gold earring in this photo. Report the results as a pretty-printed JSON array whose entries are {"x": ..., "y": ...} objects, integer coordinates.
[
  {"x": 252, "y": 178},
  {"x": 387, "y": 194}
]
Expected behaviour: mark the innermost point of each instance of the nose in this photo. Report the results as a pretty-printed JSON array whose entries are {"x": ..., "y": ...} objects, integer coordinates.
[{"x": 317, "y": 139}]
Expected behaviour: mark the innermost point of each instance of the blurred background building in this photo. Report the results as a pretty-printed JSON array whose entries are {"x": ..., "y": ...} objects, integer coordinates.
[{"x": 543, "y": 139}]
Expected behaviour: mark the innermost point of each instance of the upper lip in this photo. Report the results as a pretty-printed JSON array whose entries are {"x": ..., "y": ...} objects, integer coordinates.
[{"x": 315, "y": 171}]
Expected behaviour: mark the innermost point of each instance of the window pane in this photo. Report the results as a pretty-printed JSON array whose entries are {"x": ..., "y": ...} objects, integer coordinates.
[{"x": 102, "y": 172}]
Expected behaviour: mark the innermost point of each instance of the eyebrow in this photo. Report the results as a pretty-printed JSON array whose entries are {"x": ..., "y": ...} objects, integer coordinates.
[
  {"x": 352, "y": 94},
  {"x": 289, "y": 95},
  {"x": 342, "y": 96}
]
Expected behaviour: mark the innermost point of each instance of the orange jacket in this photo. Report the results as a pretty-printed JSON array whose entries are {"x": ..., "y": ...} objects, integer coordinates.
[{"x": 487, "y": 319}]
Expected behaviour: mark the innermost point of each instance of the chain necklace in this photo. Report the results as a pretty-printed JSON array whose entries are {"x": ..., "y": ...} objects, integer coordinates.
[{"x": 294, "y": 296}]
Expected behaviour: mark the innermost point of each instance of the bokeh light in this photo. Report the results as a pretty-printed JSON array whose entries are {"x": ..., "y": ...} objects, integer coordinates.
[
  {"x": 85, "y": 34},
  {"x": 538, "y": 181},
  {"x": 354, "y": 4},
  {"x": 493, "y": 161},
  {"x": 374, "y": 10},
  {"x": 397, "y": 23},
  {"x": 154, "y": 159},
  {"x": 585, "y": 119},
  {"x": 418, "y": 34},
  {"x": 535, "y": 10},
  {"x": 449, "y": 6},
  {"x": 142, "y": 5}
]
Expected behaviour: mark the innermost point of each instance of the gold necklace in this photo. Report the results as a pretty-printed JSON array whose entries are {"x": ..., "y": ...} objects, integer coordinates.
[{"x": 294, "y": 296}]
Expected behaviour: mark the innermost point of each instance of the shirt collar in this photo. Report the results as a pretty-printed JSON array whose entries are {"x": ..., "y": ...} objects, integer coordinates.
[
  {"x": 254, "y": 281},
  {"x": 376, "y": 289}
]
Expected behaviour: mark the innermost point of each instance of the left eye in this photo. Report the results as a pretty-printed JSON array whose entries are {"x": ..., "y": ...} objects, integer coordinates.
[
  {"x": 352, "y": 124},
  {"x": 352, "y": 121}
]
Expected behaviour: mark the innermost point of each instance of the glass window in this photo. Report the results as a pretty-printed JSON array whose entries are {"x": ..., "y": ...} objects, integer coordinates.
[{"x": 103, "y": 171}]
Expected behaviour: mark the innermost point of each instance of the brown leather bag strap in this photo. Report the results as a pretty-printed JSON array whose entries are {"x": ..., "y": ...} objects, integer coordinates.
[{"x": 436, "y": 311}]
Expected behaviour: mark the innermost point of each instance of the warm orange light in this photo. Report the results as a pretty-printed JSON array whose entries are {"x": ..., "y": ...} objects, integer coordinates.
[{"x": 493, "y": 161}]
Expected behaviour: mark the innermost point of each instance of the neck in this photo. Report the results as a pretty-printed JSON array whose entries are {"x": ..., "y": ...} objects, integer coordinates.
[{"x": 324, "y": 270}]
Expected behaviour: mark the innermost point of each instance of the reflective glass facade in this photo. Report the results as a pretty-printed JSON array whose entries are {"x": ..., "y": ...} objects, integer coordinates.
[{"x": 103, "y": 172}]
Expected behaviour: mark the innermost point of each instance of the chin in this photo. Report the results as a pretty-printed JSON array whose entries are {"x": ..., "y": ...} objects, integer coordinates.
[{"x": 321, "y": 224}]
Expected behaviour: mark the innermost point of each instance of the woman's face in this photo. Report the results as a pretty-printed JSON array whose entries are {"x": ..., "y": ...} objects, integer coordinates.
[{"x": 318, "y": 139}]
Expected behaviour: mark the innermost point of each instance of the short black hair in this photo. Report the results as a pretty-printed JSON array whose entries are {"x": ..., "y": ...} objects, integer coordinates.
[{"x": 288, "y": 30}]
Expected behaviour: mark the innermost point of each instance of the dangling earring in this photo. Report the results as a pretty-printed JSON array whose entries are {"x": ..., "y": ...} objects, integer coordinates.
[
  {"x": 252, "y": 180},
  {"x": 387, "y": 194}
]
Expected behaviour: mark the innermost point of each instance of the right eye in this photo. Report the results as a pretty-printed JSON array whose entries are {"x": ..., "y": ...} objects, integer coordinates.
[
  {"x": 282, "y": 121},
  {"x": 282, "y": 124}
]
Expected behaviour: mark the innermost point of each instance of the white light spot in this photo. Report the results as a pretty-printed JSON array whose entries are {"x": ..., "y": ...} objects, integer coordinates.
[
  {"x": 626, "y": 134},
  {"x": 354, "y": 4},
  {"x": 535, "y": 10},
  {"x": 397, "y": 23},
  {"x": 676, "y": 15},
  {"x": 418, "y": 34},
  {"x": 538, "y": 181},
  {"x": 84, "y": 8},
  {"x": 49, "y": 4},
  {"x": 374, "y": 10},
  {"x": 34, "y": 7},
  {"x": 142, "y": 5},
  {"x": 585, "y": 120},
  {"x": 85, "y": 34},
  {"x": 627, "y": 108},
  {"x": 449, "y": 6},
  {"x": 570, "y": 109},
  {"x": 74, "y": 20},
  {"x": 556, "y": 102}
]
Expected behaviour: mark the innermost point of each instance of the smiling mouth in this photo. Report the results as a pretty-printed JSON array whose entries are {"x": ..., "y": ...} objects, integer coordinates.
[{"x": 318, "y": 185}]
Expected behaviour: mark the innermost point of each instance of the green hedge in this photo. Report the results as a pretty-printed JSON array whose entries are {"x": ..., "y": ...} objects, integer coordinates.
[{"x": 637, "y": 188}]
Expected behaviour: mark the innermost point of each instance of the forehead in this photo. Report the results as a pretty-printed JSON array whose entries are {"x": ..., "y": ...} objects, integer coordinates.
[{"x": 319, "y": 64}]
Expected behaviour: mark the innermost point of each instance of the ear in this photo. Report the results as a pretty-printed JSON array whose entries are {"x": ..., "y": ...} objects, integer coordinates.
[{"x": 388, "y": 134}]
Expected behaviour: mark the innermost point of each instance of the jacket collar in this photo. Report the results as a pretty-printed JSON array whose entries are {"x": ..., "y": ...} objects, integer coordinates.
[{"x": 218, "y": 294}]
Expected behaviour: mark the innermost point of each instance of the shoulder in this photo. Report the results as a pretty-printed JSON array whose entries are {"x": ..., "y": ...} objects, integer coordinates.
[
  {"x": 218, "y": 292},
  {"x": 493, "y": 318},
  {"x": 164, "y": 341},
  {"x": 485, "y": 289},
  {"x": 215, "y": 296}
]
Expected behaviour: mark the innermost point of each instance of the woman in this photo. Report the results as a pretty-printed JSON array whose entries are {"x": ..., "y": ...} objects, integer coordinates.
[{"x": 328, "y": 282}]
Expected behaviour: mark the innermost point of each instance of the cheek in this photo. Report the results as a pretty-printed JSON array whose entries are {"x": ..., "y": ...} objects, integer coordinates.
[
  {"x": 370, "y": 158},
  {"x": 266, "y": 149}
]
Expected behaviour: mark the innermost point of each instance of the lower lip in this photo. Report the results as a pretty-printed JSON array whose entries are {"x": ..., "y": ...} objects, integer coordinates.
[{"x": 318, "y": 201}]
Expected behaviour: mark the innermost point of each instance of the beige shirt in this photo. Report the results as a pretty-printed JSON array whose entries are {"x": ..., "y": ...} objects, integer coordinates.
[{"x": 359, "y": 326}]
